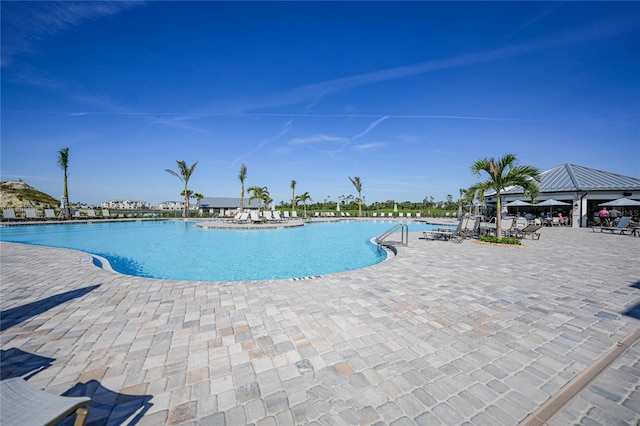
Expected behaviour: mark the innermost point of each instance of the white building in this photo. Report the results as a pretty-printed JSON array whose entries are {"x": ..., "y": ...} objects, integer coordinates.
[
  {"x": 226, "y": 205},
  {"x": 582, "y": 189},
  {"x": 172, "y": 205},
  {"x": 126, "y": 205}
]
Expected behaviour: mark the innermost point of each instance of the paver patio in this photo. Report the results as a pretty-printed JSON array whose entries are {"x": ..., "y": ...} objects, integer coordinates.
[{"x": 443, "y": 333}]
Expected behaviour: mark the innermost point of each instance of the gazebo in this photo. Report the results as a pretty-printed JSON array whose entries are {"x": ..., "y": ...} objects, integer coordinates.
[{"x": 583, "y": 188}]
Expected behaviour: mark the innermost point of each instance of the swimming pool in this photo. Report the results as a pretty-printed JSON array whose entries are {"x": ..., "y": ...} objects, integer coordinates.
[{"x": 177, "y": 249}]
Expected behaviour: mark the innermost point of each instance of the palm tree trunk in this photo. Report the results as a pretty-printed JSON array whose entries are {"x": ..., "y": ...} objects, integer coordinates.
[{"x": 67, "y": 209}]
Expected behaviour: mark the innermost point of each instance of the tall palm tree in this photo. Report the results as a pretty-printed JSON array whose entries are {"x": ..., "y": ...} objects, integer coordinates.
[
  {"x": 242, "y": 176},
  {"x": 504, "y": 172},
  {"x": 293, "y": 194},
  {"x": 259, "y": 193},
  {"x": 63, "y": 162},
  {"x": 304, "y": 198},
  {"x": 358, "y": 184},
  {"x": 184, "y": 176}
]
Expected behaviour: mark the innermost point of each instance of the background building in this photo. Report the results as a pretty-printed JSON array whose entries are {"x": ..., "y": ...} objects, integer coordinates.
[{"x": 583, "y": 189}]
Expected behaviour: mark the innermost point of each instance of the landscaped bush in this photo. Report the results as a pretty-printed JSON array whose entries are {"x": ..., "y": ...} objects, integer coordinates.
[{"x": 504, "y": 240}]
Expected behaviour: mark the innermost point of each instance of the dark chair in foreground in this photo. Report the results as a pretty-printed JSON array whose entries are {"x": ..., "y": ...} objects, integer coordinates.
[
  {"x": 530, "y": 229},
  {"x": 622, "y": 227},
  {"x": 23, "y": 404}
]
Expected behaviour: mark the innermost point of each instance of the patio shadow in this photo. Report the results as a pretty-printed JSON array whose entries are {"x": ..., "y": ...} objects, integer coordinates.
[
  {"x": 19, "y": 314},
  {"x": 15, "y": 362},
  {"x": 634, "y": 311},
  {"x": 110, "y": 408}
]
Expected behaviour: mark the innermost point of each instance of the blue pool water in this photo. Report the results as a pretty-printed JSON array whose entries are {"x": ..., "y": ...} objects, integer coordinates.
[{"x": 179, "y": 250}]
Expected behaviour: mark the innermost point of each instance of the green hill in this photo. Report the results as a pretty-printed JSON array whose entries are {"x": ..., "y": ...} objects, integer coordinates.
[{"x": 19, "y": 194}]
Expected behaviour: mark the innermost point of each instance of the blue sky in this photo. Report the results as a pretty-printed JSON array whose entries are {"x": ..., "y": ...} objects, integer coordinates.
[{"x": 405, "y": 95}]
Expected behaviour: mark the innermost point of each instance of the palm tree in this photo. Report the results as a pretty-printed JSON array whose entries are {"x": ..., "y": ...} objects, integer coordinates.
[
  {"x": 304, "y": 198},
  {"x": 242, "y": 176},
  {"x": 185, "y": 175},
  {"x": 198, "y": 198},
  {"x": 260, "y": 194},
  {"x": 504, "y": 172},
  {"x": 358, "y": 184},
  {"x": 293, "y": 193},
  {"x": 63, "y": 162}
]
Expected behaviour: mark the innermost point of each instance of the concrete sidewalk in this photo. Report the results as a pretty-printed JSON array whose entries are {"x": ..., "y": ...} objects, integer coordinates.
[{"x": 443, "y": 333}]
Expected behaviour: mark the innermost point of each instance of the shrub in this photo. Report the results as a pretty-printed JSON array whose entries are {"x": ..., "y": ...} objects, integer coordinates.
[{"x": 505, "y": 240}]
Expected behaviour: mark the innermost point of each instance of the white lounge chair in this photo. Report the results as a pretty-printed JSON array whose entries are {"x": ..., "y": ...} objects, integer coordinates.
[
  {"x": 276, "y": 216},
  {"x": 91, "y": 213},
  {"x": 286, "y": 215},
  {"x": 49, "y": 214},
  {"x": 9, "y": 214},
  {"x": 255, "y": 217},
  {"x": 294, "y": 214},
  {"x": 31, "y": 214},
  {"x": 23, "y": 404}
]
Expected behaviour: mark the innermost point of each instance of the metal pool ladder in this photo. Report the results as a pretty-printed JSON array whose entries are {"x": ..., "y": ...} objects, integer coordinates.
[{"x": 404, "y": 240}]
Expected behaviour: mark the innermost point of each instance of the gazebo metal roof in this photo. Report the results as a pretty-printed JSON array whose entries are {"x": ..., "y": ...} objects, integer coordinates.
[{"x": 570, "y": 178}]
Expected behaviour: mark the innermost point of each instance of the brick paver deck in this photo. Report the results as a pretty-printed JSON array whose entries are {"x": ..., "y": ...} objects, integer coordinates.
[{"x": 443, "y": 333}]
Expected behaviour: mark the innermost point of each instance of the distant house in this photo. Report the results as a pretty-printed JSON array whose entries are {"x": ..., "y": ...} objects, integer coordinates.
[
  {"x": 126, "y": 205},
  {"x": 171, "y": 205},
  {"x": 583, "y": 188},
  {"x": 226, "y": 205}
]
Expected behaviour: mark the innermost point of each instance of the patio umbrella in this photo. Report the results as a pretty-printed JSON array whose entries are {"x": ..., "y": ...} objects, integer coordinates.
[
  {"x": 551, "y": 202},
  {"x": 517, "y": 204},
  {"x": 621, "y": 202}
]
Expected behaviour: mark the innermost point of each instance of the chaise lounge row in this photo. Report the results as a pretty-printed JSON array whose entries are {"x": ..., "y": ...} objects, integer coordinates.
[{"x": 11, "y": 214}]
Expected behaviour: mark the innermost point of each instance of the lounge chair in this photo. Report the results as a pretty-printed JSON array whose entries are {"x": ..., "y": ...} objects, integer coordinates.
[
  {"x": 233, "y": 219},
  {"x": 9, "y": 214},
  {"x": 622, "y": 227},
  {"x": 23, "y": 404},
  {"x": 49, "y": 214},
  {"x": 294, "y": 214},
  {"x": 278, "y": 218},
  {"x": 91, "y": 213},
  {"x": 487, "y": 228},
  {"x": 268, "y": 215},
  {"x": 31, "y": 214},
  {"x": 241, "y": 217},
  {"x": 255, "y": 217},
  {"x": 374, "y": 214},
  {"x": 106, "y": 214},
  {"x": 286, "y": 215},
  {"x": 531, "y": 229},
  {"x": 445, "y": 234}
]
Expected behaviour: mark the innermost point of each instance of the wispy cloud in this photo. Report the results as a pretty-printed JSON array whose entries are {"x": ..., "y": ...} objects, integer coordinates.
[
  {"x": 316, "y": 91},
  {"x": 370, "y": 127},
  {"x": 25, "y": 23},
  {"x": 332, "y": 145},
  {"x": 368, "y": 146},
  {"x": 286, "y": 127}
]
